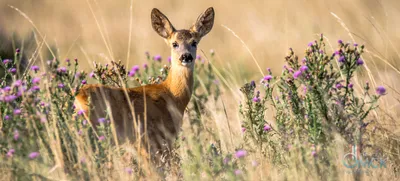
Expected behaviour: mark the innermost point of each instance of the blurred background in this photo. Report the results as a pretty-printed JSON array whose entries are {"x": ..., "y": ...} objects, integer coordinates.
[{"x": 82, "y": 28}]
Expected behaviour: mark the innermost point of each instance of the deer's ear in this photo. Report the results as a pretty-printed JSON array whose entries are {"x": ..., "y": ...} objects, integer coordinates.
[
  {"x": 204, "y": 23},
  {"x": 161, "y": 24}
]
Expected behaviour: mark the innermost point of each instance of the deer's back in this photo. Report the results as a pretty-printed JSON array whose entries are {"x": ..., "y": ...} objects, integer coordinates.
[{"x": 149, "y": 110}]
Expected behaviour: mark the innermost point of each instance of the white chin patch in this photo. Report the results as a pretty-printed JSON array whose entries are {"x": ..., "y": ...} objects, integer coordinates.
[{"x": 186, "y": 64}]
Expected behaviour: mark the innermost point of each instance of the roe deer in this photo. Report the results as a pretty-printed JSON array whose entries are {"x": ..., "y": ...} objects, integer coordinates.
[{"x": 154, "y": 111}]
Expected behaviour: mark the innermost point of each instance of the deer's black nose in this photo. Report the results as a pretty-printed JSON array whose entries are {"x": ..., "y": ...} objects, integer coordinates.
[{"x": 187, "y": 57}]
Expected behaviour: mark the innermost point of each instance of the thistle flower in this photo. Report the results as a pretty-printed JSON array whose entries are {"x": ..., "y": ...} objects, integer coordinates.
[
  {"x": 241, "y": 153},
  {"x": 351, "y": 85},
  {"x": 12, "y": 70},
  {"x": 101, "y": 138},
  {"x": 355, "y": 44},
  {"x": 339, "y": 86},
  {"x": 380, "y": 90},
  {"x": 267, "y": 78},
  {"x": 34, "y": 155},
  {"x": 10, "y": 153},
  {"x": 6, "y": 61},
  {"x": 169, "y": 59},
  {"x": 303, "y": 68},
  {"x": 101, "y": 120},
  {"x": 36, "y": 80},
  {"x": 157, "y": 58},
  {"x": 340, "y": 41},
  {"x": 6, "y": 117},
  {"x": 238, "y": 172},
  {"x": 129, "y": 171},
  {"x": 35, "y": 68},
  {"x": 131, "y": 73},
  {"x": 16, "y": 135},
  {"x": 135, "y": 68},
  {"x": 60, "y": 85},
  {"x": 198, "y": 57},
  {"x": 226, "y": 160},
  {"x": 243, "y": 129},
  {"x": 145, "y": 66},
  {"x": 81, "y": 112},
  {"x": 18, "y": 83},
  {"x": 91, "y": 75},
  {"x": 256, "y": 99},
  {"x": 17, "y": 50},
  {"x": 62, "y": 70},
  {"x": 314, "y": 153},
  {"x": 7, "y": 89},
  {"x": 84, "y": 82},
  {"x": 35, "y": 88},
  {"x": 17, "y": 111},
  {"x": 360, "y": 61},
  {"x": 267, "y": 127},
  {"x": 297, "y": 74},
  {"x": 310, "y": 44},
  {"x": 341, "y": 59}
]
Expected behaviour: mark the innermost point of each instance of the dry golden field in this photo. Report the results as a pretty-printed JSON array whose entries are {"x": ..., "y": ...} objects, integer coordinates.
[{"x": 244, "y": 32}]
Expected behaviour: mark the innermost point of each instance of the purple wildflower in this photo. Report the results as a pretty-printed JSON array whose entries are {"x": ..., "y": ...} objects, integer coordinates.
[
  {"x": 355, "y": 44},
  {"x": 268, "y": 78},
  {"x": 169, "y": 59},
  {"x": 10, "y": 98},
  {"x": 81, "y": 112},
  {"x": 145, "y": 66},
  {"x": 131, "y": 73},
  {"x": 83, "y": 82},
  {"x": 310, "y": 44},
  {"x": 252, "y": 83},
  {"x": 17, "y": 50},
  {"x": 91, "y": 75},
  {"x": 360, "y": 61},
  {"x": 339, "y": 86},
  {"x": 340, "y": 41},
  {"x": 67, "y": 60},
  {"x": 62, "y": 69},
  {"x": 314, "y": 153},
  {"x": 157, "y": 58},
  {"x": 135, "y": 68},
  {"x": 238, "y": 172},
  {"x": 341, "y": 59},
  {"x": 35, "y": 88},
  {"x": 6, "y": 61},
  {"x": 303, "y": 68},
  {"x": 35, "y": 68},
  {"x": 60, "y": 85},
  {"x": 101, "y": 138},
  {"x": 129, "y": 171},
  {"x": 380, "y": 90},
  {"x": 297, "y": 74},
  {"x": 243, "y": 130},
  {"x": 7, "y": 89},
  {"x": 216, "y": 81},
  {"x": 6, "y": 117},
  {"x": 13, "y": 70},
  {"x": 351, "y": 85},
  {"x": 226, "y": 160},
  {"x": 80, "y": 132},
  {"x": 256, "y": 99},
  {"x": 337, "y": 52},
  {"x": 34, "y": 155},
  {"x": 18, "y": 83},
  {"x": 267, "y": 128},
  {"x": 17, "y": 111},
  {"x": 101, "y": 120},
  {"x": 10, "y": 153},
  {"x": 16, "y": 135},
  {"x": 36, "y": 80},
  {"x": 241, "y": 153}
]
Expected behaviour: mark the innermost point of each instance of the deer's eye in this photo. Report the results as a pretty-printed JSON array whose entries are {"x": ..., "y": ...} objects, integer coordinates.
[
  {"x": 194, "y": 44},
  {"x": 175, "y": 45}
]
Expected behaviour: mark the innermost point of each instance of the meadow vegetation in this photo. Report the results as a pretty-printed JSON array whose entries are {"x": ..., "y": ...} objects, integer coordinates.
[{"x": 329, "y": 112}]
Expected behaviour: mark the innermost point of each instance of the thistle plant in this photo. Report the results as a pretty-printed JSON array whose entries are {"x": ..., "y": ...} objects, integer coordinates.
[{"x": 311, "y": 100}]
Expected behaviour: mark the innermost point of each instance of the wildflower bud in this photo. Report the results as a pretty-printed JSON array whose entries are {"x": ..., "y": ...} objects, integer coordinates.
[
  {"x": 17, "y": 51},
  {"x": 241, "y": 153},
  {"x": 380, "y": 90},
  {"x": 267, "y": 128},
  {"x": 360, "y": 61},
  {"x": 351, "y": 85},
  {"x": 84, "y": 82},
  {"x": 34, "y": 155},
  {"x": 297, "y": 74},
  {"x": 12, "y": 70}
]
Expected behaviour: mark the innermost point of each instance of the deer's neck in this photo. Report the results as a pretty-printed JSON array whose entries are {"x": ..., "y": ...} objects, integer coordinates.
[{"x": 180, "y": 83}]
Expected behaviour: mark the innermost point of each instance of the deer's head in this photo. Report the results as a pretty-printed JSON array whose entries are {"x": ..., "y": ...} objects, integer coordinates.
[{"x": 183, "y": 42}]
